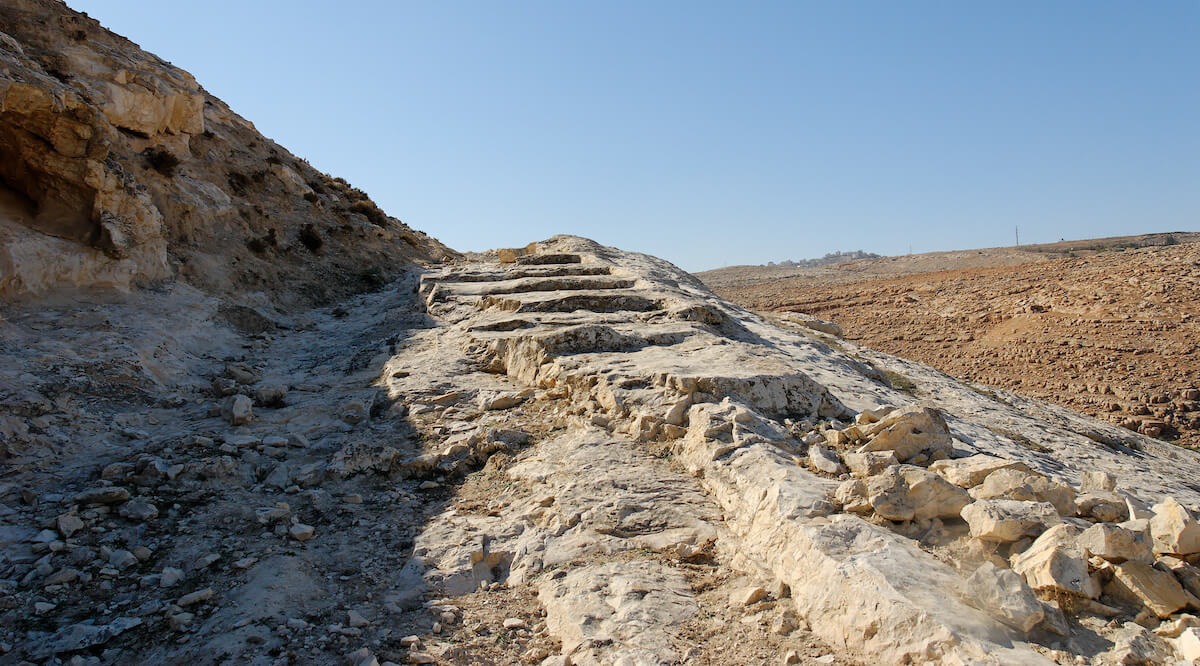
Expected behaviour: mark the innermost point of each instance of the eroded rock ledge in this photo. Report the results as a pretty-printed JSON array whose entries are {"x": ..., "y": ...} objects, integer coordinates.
[
  {"x": 904, "y": 528},
  {"x": 570, "y": 453},
  {"x": 118, "y": 169}
]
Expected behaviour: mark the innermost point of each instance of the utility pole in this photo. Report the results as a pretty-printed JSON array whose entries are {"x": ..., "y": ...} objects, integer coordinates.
[{"x": 1017, "y": 231}]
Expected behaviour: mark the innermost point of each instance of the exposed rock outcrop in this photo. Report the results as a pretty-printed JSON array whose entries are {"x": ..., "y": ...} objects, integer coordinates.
[
  {"x": 748, "y": 409},
  {"x": 118, "y": 169},
  {"x": 563, "y": 453}
]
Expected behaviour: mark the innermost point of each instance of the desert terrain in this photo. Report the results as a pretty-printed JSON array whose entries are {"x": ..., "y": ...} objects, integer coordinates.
[
  {"x": 1108, "y": 328},
  {"x": 247, "y": 417}
]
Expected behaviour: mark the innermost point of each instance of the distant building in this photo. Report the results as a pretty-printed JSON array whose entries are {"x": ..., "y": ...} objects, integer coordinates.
[{"x": 831, "y": 258}]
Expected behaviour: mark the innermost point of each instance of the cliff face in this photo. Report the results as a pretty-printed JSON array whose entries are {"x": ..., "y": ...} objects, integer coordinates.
[{"x": 118, "y": 169}]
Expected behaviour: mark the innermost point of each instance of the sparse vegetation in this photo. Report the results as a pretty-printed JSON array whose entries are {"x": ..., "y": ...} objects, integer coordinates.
[
  {"x": 311, "y": 238},
  {"x": 369, "y": 210},
  {"x": 260, "y": 245},
  {"x": 985, "y": 392},
  {"x": 1020, "y": 439},
  {"x": 901, "y": 382}
]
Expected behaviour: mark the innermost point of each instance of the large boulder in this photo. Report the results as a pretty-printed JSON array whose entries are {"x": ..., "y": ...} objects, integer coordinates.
[
  {"x": 1187, "y": 574},
  {"x": 1101, "y": 506},
  {"x": 851, "y": 495},
  {"x": 1116, "y": 544},
  {"x": 909, "y": 431},
  {"x": 887, "y": 493},
  {"x": 1008, "y": 520},
  {"x": 1022, "y": 484},
  {"x": 907, "y": 492},
  {"x": 931, "y": 495},
  {"x": 1005, "y": 595},
  {"x": 1055, "y": 562},
  {"x": 1173, "y": 529},
  {"x": 971, "y": 471},
  {"x": 1140, "y": 583},
  {"x": 825, "y": 459},
  {"x": 869, "y": 463}
]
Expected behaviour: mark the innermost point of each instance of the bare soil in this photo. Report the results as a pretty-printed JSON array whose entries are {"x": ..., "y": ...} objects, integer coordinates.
[{"x": 1113, "y": 334}]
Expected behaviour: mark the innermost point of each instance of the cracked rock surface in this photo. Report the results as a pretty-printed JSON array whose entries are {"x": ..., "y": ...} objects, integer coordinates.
[
  {"x": 640, "y": 473},
  {"x": 559, "y": 454}
]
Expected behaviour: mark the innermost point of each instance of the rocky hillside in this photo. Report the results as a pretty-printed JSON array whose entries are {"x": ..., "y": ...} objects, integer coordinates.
[
  {"x": 1113, "y": 334},
  {"x": 566, "y": 454},
  {"x": 725, "y": 280},
  {"x": 559, "y": 454},
  {"x": 118, "y": 169}
]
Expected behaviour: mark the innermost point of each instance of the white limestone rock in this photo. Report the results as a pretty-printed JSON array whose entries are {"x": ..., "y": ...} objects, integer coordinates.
[
  {"x": 931, "y": 495},
  {"x": 825, "y": 459},
  {"x": 1134, "y": 644},
  {"x": 851, "y": 496},
  {"x": 869, "y": 463},
  {"x": 971, "y": 471},
  {"x": 888, "y": 495},
  {"x": 497, "y": 400},
  {"x": 1140, "y": 583},
  {"x": 1188, "y": 644},
  {"x": 1173, "y": 529},
  {"x": 1008, "y": 520},
  {"x": 1022, "y": 484},
  {"x": 1116, "y": 544},
  {"x": 237, "y": 409},
  {"x": 631, "y": 611},
  {"x": 1005, "y": 595},
  {"x": 1187, "y": 574},
  {"x": 1055, "y": 562},
  {"x": 1104, "y": 507},
  {"x": 909, "y": 431}
]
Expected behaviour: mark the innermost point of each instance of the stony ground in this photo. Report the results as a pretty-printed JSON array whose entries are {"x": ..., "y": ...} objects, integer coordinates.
[
  {"x": 734, "y": 277},
  {"x": 564, "y": 454},
  {"x": 575, "y": 455},
  {"x": 146, "y": 519},
  {"x": 1113, "y": 335}
]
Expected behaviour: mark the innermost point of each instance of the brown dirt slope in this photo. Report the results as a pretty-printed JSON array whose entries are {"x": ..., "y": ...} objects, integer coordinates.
[
  {"x": 912, "y": 264},
  {"x": 1114, "y": 334}
]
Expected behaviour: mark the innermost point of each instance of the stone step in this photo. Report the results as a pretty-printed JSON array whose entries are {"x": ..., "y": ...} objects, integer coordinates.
[
  {"x": 543, "y": 259},
  {"x": 588, "y": 301},
  {"x": 559, "y": 270},
  {"x": 529, "y": 285},
  {"x": 502, "y": 325}
]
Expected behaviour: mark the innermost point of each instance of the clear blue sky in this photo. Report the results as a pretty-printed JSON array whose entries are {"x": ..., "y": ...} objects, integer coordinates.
[{"x": 714, "y": 133}]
